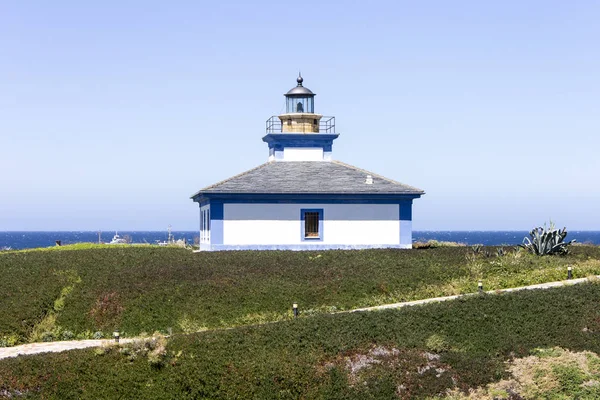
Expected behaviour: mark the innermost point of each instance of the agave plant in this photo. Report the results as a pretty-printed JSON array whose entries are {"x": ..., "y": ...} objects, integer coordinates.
[
  {"x": 500, "y": 252},
  {"x": 477, "y": 248},
  {"x": 547, "y": 241}
]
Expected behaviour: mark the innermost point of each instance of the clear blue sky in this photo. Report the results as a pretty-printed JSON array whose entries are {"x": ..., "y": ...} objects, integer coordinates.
[{"x": 113, "y": 113}]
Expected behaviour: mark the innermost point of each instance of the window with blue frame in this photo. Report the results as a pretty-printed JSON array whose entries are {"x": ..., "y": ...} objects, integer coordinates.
[
  {"x": 205, "y": 225},
  {"x": 312, "y": 223}
]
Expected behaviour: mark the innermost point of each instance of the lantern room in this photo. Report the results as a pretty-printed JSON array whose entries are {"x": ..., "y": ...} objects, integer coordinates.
[
  {"x": 300, "y": 116},
  {"x": 300, "y": 99}
]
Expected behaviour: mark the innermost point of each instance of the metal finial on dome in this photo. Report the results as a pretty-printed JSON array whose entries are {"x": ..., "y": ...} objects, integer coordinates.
[{"x": 299, "y": 90}]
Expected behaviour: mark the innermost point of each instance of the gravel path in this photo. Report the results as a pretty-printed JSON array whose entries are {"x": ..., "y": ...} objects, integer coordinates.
[
  {"x": 547, "y": 285},
  {"x": 35, "y": 348},
  {"x": 55, "y": 347}
]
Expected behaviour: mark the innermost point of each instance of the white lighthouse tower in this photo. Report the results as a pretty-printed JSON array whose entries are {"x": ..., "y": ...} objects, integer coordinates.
[{"x": 300, "y": 134}]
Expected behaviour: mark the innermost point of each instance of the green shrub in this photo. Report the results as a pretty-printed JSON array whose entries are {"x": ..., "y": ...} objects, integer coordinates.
[
  {"x": 437, "y": 343},
  {"x": 67, "y": 335},
  {"x": 84, "y": 335},
  {"x": 136, "y": 289},
  {"x": 376, "y": 355},
  {"x": 9, "y": 340}
]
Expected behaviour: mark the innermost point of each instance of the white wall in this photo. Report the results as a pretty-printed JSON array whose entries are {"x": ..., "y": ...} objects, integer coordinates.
[
  {"x": 303, "y": 154},
  {"x": 280, "y": 224}
]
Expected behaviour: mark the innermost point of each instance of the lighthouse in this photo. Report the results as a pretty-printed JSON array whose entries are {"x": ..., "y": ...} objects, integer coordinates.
[{"x": 302, "y": 198}]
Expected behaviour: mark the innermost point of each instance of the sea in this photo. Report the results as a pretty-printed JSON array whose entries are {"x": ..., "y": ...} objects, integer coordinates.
[{"x": 28, "y": 239}]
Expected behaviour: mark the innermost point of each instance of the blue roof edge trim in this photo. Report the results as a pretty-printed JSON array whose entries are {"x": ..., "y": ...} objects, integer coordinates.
[
  {"x": 384, "y": 198},
  {"x": 300, "y": 140}
]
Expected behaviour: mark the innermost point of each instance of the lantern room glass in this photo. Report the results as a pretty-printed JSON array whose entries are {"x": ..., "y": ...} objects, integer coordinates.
[{"x": 300, "y": 105}]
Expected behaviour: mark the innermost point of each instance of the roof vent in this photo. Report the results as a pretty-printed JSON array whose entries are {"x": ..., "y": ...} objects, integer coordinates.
[{"x": 369, "y": 180}]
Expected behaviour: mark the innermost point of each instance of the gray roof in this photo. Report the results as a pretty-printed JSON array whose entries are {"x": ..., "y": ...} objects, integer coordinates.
[{"x": 315, "y": 177}]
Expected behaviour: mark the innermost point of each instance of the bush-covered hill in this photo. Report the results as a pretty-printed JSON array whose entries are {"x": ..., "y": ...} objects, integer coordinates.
[
  {"x": 50, "y": 294},
  {"x": 415, "y": 352}
]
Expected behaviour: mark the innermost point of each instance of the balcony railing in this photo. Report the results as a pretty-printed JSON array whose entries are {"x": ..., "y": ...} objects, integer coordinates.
[{"x": 326, "y": 125}]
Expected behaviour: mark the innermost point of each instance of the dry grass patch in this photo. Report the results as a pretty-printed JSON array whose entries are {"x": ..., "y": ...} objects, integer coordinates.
[
  {"x": 432, "y": 244},
  {"x": 407, "y": 371},
  {"x": 548, "y": 374}
]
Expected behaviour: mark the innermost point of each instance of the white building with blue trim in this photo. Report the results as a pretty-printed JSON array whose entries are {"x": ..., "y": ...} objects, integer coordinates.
[{"x": 302, "y": 199}]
